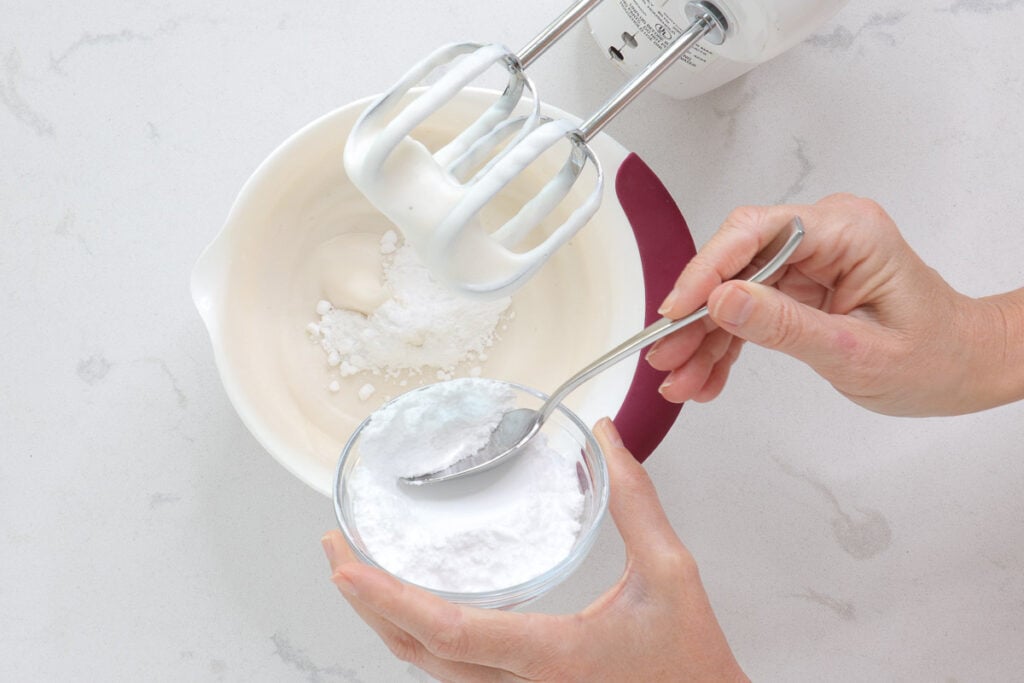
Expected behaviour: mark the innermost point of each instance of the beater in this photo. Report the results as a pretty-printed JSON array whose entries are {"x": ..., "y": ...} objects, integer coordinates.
[{"x": 436, "y": 198}]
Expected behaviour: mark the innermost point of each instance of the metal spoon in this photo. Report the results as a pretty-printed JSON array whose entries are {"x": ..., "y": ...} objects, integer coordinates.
[{"x": 518, "y": 426}]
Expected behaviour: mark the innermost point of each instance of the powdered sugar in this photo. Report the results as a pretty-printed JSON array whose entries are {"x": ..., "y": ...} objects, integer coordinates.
[
  {"x": 421, "y": 325},
  {"x": 436, "y": 426},
  {"x": 486, "y": 532}
]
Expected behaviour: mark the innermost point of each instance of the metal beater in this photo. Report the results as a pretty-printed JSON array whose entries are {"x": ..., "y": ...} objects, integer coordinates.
[{"x": 479, "y": 162}]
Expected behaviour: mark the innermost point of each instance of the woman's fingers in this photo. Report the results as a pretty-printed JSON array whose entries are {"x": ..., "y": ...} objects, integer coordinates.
[
  {"x": 402, "y": 644},
  {"x": 398, "y": 641},
  {"x": 689, "y": 378},
  {"x": 503, "y": 640},
  {"x": 409, "y": 649},
  {"x": 336, "y": 548},
  {"x": 634, "y": 505},
  {"x": 672, "y": 351},
  {"x": 769, "y": 318},
  {"x": 720, "y": 373},
  {"x": 744, "y": 234}
]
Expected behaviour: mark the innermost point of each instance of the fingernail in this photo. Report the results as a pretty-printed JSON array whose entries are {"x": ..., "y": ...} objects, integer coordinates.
[
  {"x": 651, "y": 352},
  {"x": 343, "y": 583},
  {"x": 609, "y": 433},
  {"x": 330, "y": 550},
  {"x": 666, "y": 305},
  {"x": 665, "y": 385},
  {"x": 735, "y": 307}
]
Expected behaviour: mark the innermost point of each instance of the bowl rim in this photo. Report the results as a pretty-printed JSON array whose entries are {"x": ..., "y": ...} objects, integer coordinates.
[
  {"x": 210, "y": 280},
  {"x": 524, "y": 591}
]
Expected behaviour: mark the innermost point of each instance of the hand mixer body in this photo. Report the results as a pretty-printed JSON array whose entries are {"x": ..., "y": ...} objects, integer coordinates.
[{"x": 632, "y": 32}]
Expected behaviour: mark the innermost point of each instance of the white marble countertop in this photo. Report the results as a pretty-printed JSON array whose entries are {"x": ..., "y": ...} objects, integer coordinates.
[{"x": 144, "y": 535}]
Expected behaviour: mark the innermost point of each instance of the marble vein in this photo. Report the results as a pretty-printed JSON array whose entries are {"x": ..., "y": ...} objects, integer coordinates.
[
  {"x": 806, "y": 168},
  {"x": 63, "y": 229},
  {"x": 15, "y": 103},
  {"x": 845, "y": 610},
  {"x": 90, "y": 39},
  {"x": 842, "y": 38},
  {"x": 180, "y": 395},
  {"x": 298, "y": 659},
  {"x": 731, "y": 114},
  {"x": 93, "y": 369},
  {"x": 984, "y": 6},
  {"x": 158, "y": 499},
  {"x": 862, "y": 538},
  {"x": 125, "y": 35}
]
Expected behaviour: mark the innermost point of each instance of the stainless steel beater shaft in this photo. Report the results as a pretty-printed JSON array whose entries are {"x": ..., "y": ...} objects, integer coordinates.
[
  {"x": 707, "y": 22},
  {"x": 555, "y": 30}
]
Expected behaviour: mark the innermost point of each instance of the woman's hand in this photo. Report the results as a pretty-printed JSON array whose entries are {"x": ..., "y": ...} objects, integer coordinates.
[
  {"x": 655, "y": 624},
  {"x": 856, "y": 303}
]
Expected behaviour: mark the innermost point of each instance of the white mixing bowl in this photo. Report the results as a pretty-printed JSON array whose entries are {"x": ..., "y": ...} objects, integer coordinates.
[{"x": 257, "y": 285}]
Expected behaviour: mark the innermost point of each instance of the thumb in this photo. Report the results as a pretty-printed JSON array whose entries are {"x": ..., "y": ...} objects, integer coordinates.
[
  {"x": 634, "y": 504},
  {"x": 767, "y": 317}
]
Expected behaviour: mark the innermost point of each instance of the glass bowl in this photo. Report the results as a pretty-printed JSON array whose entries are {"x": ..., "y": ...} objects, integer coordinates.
[{"x": 565, "y": 432}]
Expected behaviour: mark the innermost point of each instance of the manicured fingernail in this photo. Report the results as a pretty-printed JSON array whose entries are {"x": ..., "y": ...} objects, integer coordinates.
[
  {"x": 330, "y": 550},
  {"x": 666, "y": 305},
  {"x": 665, "y": 385},
  {"x": 344, "y": 584},
  {"x": 609, "y": 433},
  {"x": 651, "y": 352},
  {"x": 735, "y": 307}
]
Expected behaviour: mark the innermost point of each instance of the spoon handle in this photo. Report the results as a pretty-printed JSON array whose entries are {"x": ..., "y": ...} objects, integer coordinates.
[{"x": 664, "y": 327}]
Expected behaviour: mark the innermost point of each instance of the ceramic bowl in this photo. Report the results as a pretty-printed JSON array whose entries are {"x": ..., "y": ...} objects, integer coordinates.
[{"x": 257, "y": 284}]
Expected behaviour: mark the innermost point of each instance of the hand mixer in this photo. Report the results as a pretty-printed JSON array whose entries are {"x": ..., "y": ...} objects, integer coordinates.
[{"x": 435, "y": 198}]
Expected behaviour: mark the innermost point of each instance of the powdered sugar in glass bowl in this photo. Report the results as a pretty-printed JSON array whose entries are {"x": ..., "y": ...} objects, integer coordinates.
[{"x": 497, "y": 539}]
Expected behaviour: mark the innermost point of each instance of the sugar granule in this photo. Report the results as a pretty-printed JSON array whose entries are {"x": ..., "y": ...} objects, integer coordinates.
[{"x": 421, "y": 325}]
